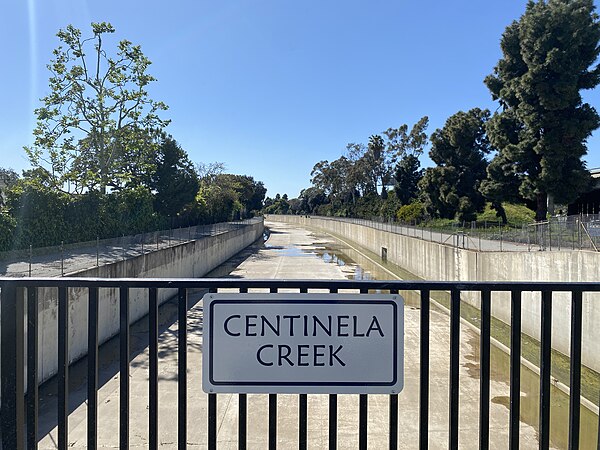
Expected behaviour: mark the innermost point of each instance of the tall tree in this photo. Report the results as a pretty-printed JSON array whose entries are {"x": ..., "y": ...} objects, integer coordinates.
[
  {"x": 378, "y": 163},
  {"x": 97, "y": 111},
  {"x": 401, "y": 142},
  {"x": 452, "y": 188},
  {"x": 174, "y": 181},
  {"x": 406, "y": 149},
  {"x": 311, "y": 198},
  {"x": 549, "y": 56},
  {"x": 407, "y": 175}
]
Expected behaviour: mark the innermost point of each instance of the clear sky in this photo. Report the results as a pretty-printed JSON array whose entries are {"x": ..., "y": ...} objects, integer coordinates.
[{"x": 270, "y": 87}]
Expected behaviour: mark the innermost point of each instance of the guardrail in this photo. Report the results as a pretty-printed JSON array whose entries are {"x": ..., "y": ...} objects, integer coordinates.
[{"x": 19, "y": 410}]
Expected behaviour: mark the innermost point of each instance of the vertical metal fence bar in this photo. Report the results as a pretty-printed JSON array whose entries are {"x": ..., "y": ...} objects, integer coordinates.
[
  {"x": 242, "y": 421},
  {"x": 32, "y": 367},
  {"x": 333, "y": 410},
  {"x": 454, "y": 366},
  {"x": 575, "y": 382},
  {"x": 515, "y": 370},
  {"x": 303, "y": 422},
  {"x": 153, "y": 384},
  {"x": 63, "y": 369},
  {"x": 545, "y": 369},
  {"x": 242, "y": 411},
  {"x": 363, "y": 407},
  {"x": 333, "y": 421},
  {"x": 598, "y": 436},
  {"x": 424, "y": 372},
  {"x": 13, "y": 366},
  {"x": 124, "y": 368},
  {"x": 212, "y": 410},
  {"x": 363, "y": 410},
  {"x": 182, "y": 369},
  {"x": 393, "y": 421},
  {"x": 272, "y": 410},
  {"x": 212, "y": 421},
  {"x": 92, "y": 369},
  {"x": 393, "y": 440},
  {"x": 303, "y": 411},
  {"x": 272, "y": 421},
  {"x": 484, "y": 371}
]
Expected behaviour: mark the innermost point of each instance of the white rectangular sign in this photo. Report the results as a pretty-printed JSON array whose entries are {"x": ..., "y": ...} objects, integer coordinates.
[{"x": 303, "y": 343}]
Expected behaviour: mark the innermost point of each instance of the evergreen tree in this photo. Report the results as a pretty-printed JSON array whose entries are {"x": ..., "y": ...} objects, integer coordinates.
[
  {"x": 452, "y": 188},
  {"x": 549, "y": 56}
]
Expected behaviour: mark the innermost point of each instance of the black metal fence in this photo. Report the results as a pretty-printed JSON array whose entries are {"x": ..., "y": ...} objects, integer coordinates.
[{"x": 19, "y": 410}]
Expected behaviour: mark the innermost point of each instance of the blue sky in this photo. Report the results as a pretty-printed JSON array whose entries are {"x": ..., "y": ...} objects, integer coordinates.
[{"x": 270, "y": 87}]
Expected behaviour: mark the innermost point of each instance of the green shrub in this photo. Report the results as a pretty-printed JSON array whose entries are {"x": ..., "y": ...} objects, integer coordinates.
[
  {"x": 515, "y": 214},
  {"x": 39, "y": 213},
  {"x": 411, "y": 212}
]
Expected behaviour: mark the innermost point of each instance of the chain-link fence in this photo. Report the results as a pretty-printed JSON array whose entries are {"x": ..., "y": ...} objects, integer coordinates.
[
  {"x": 581, "y": 232},
  {"x": 68, "y": 258}
]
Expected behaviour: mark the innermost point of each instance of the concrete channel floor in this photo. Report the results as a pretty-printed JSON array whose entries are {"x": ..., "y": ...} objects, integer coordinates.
[{"x": 288, "y": 254}]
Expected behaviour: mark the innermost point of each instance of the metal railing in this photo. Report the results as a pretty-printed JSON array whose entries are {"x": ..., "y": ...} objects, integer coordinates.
[
  {"x": 581, "y": 232},
  {"x": 69, "y": 258},
  {"x": 19, "y": 410}
]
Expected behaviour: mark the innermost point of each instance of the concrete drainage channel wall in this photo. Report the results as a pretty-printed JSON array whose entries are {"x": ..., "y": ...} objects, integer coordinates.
[
  {"x": 192, "y": 259},
  {"x": 441, "y": 262}
]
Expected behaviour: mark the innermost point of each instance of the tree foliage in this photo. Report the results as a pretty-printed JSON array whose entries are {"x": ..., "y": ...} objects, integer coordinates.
[
  {"x": 452, "y": 187},
  {"x": 224, "y": 196},
  {"x": 98, "y": 127},
  {"x": 175, "y": 181},
  {"x": 549, "y": 56},
  {"x": 8, "y": 178},
  {"x": 407, "y": 175}
]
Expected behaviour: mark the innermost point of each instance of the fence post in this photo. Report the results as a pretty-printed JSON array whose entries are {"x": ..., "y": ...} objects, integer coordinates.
[
  {"x": 12, "y": 410},
  {"x": 62, "y": 259},
  {"x": 579, "y": 225},
  {"x": 30, "y": 256}
]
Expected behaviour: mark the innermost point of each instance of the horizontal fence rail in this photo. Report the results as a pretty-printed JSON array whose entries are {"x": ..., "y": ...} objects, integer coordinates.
[{"x": 19, "y": 412}]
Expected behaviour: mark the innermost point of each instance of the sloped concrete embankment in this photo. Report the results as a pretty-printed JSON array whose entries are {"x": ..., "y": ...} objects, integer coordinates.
[
  {"x": 188, "y": 260},
  {"x": 441, "y": 262}
]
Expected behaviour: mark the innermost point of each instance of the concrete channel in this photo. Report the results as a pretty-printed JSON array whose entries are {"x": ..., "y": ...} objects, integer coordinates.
[{"x": 294, "y": 252}]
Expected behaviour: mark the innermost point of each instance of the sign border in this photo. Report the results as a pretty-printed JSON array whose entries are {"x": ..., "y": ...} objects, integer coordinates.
[{"x": 215, "y": 299}]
